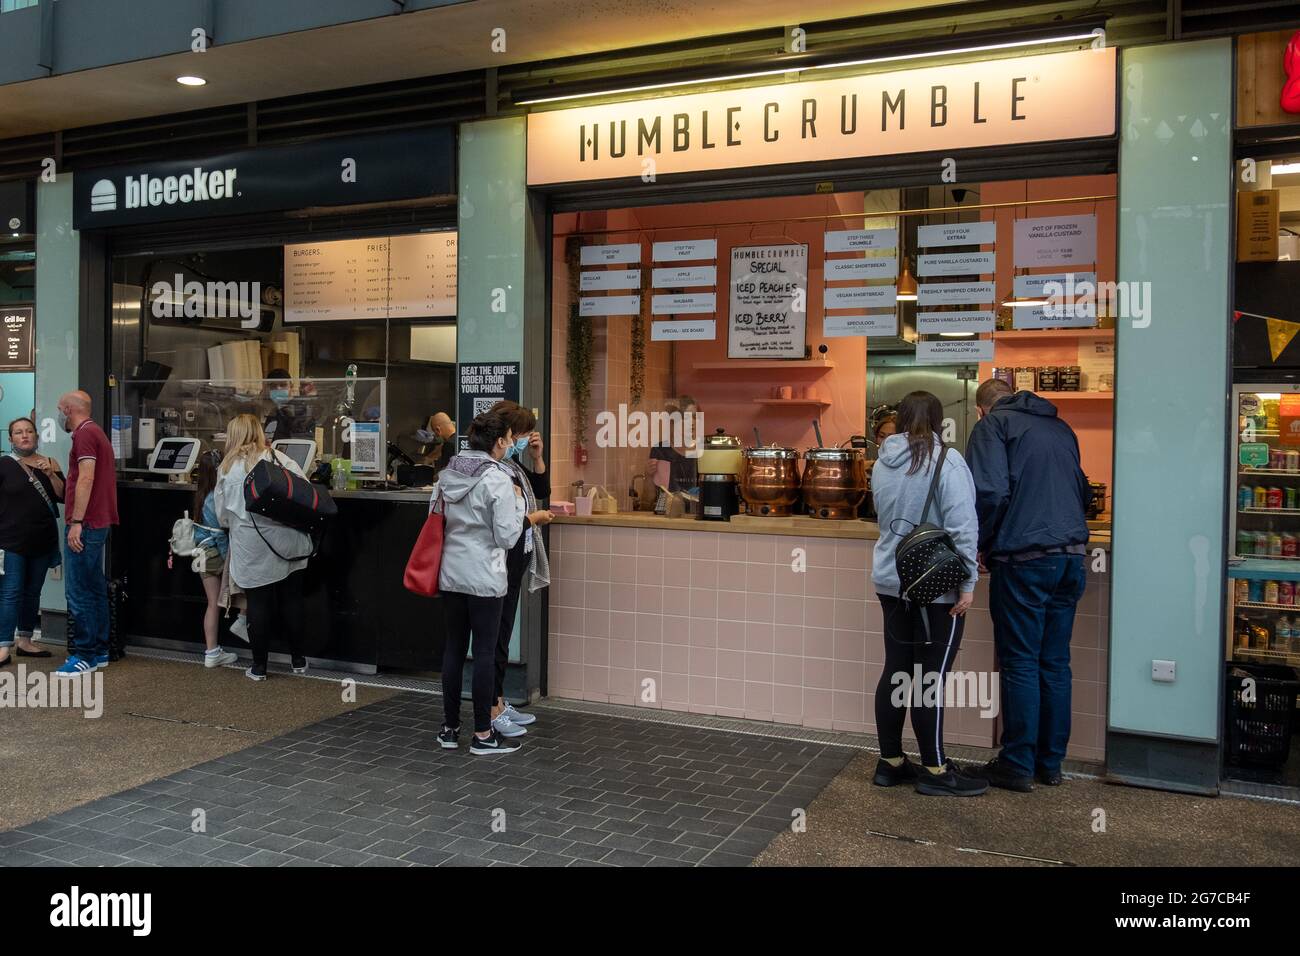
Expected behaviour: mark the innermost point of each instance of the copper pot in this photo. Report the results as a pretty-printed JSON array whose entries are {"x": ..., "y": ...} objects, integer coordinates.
[
  {"x": 769, "y": 482},
  {"x": 834, "y": 482}
]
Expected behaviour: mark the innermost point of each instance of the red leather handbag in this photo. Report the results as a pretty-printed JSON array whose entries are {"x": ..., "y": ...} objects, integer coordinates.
[{"x": 426, "y": 557}]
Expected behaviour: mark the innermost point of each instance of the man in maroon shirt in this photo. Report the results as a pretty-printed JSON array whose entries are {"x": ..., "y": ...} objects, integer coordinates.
[{"x": 90, "y": 509}]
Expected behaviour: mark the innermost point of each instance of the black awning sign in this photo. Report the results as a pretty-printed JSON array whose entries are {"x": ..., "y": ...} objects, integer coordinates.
[{"x": 17, "y": 350}]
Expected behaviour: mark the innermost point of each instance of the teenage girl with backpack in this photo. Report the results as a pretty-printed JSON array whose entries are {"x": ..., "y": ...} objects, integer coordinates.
[
  {"x": 212, "y": 538},
  {"x": 920, "y": 636}
]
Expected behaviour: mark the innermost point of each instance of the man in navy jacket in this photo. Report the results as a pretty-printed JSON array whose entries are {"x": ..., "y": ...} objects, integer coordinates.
[{"x": 1031, "y": 496}]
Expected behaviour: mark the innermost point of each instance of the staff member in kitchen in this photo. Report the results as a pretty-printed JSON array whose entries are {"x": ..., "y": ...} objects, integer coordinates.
[
  {"x": 682, "y": 475},
  {"x": 526, "y": 560},
  {"x": 918, "y": 637},
  {"x": 443, "y": 431},
  {"x": 289, "y": 417}
]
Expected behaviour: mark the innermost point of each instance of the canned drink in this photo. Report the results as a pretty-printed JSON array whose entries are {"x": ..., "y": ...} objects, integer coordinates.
[
  {"x": 1288, "y": 545},
  {"x": 1256, "y": 591},
  {"x": 1261, "y": 496},
  {"x": 1241, "y": 594},
  {"x": 1275, "y": 498},
  {"x": 1246, "y": 497},
  {"x": 1276, "y": 459},
  {"x": 1274, "y": 545},
  {"x": 1286, "y": 592},
  {"x": 1292, "y": 499},
  {"x": 1245, "y": 543},
  {"x": 1261, "y": 543},
  {"x": 1292, "y": 460}
]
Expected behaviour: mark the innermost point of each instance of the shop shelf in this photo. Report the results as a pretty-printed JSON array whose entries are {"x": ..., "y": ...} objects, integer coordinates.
[
  {"x": 1270, "y": 656},
  {"x": 1268, "y": 511},
  {"x": 1265, "y": 569},
  {"x": 814, "y": 364},
  {"x": 793, "y": 402},
  {"x": 1252, "y": 472},
  {"x": 1038, "y": 335},
  {"x": 1261, "y": 606},
  {"x": 1074, "y": 396},
  {"x": 1260, "y": 433}
]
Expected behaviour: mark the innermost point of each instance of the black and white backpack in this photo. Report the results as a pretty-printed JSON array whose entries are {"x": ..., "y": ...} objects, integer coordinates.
[{"x": 926, "y": 558}]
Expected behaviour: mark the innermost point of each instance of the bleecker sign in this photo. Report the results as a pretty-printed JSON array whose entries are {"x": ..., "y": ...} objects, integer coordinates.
[
  {"x": 1056, "y": 96},
  {"x": 356, "y": 169},
  {"x": 16, "y": 352}
]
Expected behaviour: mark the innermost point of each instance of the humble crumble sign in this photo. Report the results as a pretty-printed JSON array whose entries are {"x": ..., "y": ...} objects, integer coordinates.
[{"x": 993, "y": 103}]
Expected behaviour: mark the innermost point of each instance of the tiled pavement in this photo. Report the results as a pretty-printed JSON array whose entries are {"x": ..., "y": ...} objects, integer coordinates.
[{"x": 372, "y": 788}]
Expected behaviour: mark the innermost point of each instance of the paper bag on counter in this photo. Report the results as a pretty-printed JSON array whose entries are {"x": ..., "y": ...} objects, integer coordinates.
[
  {"x": 676, "y": 506},
  {"x": 602, "y": 502}
]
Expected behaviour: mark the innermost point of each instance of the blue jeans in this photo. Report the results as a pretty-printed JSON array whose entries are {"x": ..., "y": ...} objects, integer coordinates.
[
  {"x": 87, "y": 593},
  {"x": 20, "y": 594},
  {"x": 1033, "y": 606}
]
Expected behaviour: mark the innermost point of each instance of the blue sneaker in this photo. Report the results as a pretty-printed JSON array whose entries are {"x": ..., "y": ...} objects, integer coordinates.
[
  {"x": 101, "y": 661},
  {"x": 74, "y": 666}
]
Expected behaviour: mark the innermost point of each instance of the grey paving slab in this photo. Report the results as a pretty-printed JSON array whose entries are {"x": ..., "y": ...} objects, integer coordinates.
[{"x": 372, "y": 788}]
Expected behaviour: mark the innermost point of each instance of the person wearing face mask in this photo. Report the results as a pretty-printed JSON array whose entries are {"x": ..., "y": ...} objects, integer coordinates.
[
  {"x": 527, "y": 558},
  {"x": 90, "y": 511},
  {"x": 484, "y": 515},
  {"x": 288, "y": 417},
  {"x": 30, "y": 486}
]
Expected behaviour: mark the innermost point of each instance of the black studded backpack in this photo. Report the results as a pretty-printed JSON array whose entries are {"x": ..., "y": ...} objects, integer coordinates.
[{"x": 926, "y": 558}]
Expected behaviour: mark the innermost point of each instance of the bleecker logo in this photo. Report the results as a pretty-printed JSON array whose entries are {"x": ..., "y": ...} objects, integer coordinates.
[{"x": 143, "y": 191}]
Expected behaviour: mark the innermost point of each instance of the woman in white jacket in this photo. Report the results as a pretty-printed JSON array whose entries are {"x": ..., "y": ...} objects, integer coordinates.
[
  {"x": 484, "y": 513},
  {"x": 263, "y": 557}
]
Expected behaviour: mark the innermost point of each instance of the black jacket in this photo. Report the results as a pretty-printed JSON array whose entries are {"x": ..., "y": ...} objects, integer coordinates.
[{"x": 1031, "y": 493}]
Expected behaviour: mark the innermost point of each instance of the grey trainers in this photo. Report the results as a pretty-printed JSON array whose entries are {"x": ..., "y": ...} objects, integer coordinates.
[
  {"x": 523, "y": 720},
  {"x": 507, "y": 727}
]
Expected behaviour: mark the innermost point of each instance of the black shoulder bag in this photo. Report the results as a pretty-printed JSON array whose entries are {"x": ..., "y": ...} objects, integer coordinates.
[{"x": 927, "y": 560}]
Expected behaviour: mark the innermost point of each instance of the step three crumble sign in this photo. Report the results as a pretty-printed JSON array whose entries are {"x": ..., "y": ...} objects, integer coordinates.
[{"x": 769, "y": 301}]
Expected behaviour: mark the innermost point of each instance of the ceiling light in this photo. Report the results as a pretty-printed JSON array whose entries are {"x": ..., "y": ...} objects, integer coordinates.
[
  {"x": 837, "y": 65},
  {"x": 906, "y": 286},
  {"x": 191, "y": 81},
  {"x": 956, "y": 335},
  {"x": 1023, "y": 303}
]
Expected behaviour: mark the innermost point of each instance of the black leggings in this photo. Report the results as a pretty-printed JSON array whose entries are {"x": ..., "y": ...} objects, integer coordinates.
[
  {"x": 275, "y": 609},
  {"x": 480, "y": 617},
  {"x": 509, "y": 605},
  {"x": 910, "y": 644}
]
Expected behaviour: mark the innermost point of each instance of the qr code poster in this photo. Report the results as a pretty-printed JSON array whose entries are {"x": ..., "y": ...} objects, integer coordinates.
[{"x": 482, "y": 385}]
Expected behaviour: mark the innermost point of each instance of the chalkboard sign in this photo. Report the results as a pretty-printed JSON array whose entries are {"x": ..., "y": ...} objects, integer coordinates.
[{"x": 19, "y": 352}]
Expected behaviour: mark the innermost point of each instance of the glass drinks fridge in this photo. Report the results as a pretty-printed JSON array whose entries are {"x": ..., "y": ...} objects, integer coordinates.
[{"x": 1265, "y": 526}]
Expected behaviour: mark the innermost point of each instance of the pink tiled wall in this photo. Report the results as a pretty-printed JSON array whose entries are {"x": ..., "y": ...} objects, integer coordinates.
[{"x": 722, "y": 625}]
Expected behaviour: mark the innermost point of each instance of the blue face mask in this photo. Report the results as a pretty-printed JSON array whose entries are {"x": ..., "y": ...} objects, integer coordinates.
[
  {"x": 517, "y": 448},
  {"x": 279, "y": 395}
]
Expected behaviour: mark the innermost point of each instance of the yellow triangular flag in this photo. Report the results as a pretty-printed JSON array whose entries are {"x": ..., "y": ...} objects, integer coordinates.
[{"x": 1280, "y": 334}]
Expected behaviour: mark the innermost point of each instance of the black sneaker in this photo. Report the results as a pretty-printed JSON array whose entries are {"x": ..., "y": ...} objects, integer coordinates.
[
  {"x": 299, "y": 665},
  {"x": 449, "y": 739},
  {"x": 950, "y": 783},
  {"x": 888, "y": 775},
  {"x": 1049, "y": 778},
  {"x": 1000, "y": 775},
  {"x": 494, "y": 743}
]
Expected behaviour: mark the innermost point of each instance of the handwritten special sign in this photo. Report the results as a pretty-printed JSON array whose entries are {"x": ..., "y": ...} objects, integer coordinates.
[{"x": 769, "y": 301}]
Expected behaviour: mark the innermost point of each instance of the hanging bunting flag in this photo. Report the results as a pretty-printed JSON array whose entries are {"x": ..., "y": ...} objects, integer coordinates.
[{"x": 1280, "y": 334}]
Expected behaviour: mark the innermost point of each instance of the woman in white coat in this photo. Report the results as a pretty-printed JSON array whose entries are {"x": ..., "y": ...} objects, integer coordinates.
[
  {"x": 263, "y": 557},
  {"x": 484, "y": 513}
]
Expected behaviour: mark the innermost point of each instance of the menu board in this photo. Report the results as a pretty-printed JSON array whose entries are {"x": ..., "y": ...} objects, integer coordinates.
[
  {"x": 406, "y": 277},
  {"x": 769, "y": 301},
  {"x": 1056, "y": 241},
  {"x": 16, "y": 353}
]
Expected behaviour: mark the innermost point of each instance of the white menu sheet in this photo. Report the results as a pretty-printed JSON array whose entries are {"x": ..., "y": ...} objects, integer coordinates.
[
  {"x": 769, "y": 301},
  {"x": 412, "y": 276}
]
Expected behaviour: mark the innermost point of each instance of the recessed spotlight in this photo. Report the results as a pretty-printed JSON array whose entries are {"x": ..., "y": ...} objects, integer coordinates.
[{"x": 191, "y": 81}]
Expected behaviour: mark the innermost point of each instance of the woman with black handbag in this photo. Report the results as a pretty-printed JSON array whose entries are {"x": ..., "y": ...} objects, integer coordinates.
[
  {"x": 263, "y": 554},
  {"x": 30, "y": 487},
  {"x": 924, "y": 568}
]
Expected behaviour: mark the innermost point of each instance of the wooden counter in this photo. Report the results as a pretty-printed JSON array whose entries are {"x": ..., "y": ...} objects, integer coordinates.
[{"x": 796, "y": 525}]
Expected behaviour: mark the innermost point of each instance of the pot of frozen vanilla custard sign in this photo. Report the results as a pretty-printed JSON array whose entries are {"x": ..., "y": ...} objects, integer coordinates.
[
  {"x": 769, "y": 301},
  {"x": 1056, "y": 241},
  {"x": 1055, "y": 96}
]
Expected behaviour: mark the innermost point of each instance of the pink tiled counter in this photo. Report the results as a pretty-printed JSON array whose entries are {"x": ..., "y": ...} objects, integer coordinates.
[{"x": 719, "y": 623}]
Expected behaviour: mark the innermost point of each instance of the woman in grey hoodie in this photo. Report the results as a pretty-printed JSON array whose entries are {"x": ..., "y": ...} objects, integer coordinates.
[
  {"x": 484, "y": 518},
  {"x": 920, "y": 640}
]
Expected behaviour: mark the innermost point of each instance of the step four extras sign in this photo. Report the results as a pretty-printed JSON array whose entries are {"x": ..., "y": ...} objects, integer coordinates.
[{"x": 1056, "y": 96}]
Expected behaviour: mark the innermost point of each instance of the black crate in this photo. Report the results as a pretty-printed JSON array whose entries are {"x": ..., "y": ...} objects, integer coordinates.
[{"x": 1258, "y": 733}]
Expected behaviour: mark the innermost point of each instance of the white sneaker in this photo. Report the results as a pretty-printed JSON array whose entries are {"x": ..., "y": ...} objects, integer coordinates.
[
  {"x": 220, "y": 659},
  {"x": 240, "y": 628},
  {"x": 523, "y": 720},
  {"x": 507, "y": 727}
]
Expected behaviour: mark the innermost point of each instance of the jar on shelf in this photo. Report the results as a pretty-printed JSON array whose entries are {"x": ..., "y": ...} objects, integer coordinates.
[
  {"x": 1026, "y": 379},
  {"x": 1049, "y": 378}
]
